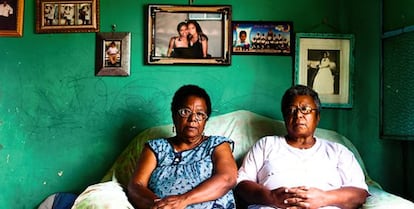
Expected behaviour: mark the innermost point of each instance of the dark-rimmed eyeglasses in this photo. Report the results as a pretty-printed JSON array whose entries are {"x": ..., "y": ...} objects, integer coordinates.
[
  {"x": 187, "y": 112},
  {"x": 293, "y": 110}
]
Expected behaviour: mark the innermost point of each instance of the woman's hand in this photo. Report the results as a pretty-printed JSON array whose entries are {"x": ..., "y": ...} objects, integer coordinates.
[
  {"x": 305, "y": 197},
  {"x": 170, "y": 202},
  {"x": 313, "y": 198},
  {"x": 279, "y": 197}
]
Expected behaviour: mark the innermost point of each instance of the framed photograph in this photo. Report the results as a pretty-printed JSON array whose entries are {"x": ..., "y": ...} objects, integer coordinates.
[
  {"x": 182, "y": 34},
  {"x": 325, "y": 62},
  {"x": 11, "y": 18},
  {"x": 258, "y": 37},
  {"x": 113, "y": 54},
  {"x": 66, "y": 16}
]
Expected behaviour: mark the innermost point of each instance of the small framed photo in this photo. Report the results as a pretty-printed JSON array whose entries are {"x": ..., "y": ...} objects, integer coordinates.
[
  {"x": 325, "y": 62},
  {"x": 259, "y": 37},
  {"x": 11, "y": 18},
  {"x": 113, "y": 54},
  {"x": 66, "y": 16},
  {"x": 182, "y": 34}
]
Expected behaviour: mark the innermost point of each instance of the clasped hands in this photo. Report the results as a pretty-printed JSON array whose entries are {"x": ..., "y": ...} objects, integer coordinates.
[
  {"x": 301, "y": 197},
  {"x": 170, "y": 202}
]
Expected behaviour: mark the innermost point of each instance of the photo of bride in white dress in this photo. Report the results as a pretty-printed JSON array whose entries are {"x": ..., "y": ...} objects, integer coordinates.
[{"x": 323, "y": 74}]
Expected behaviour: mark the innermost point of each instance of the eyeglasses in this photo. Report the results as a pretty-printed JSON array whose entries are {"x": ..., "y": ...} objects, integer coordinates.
[
  {"x": 303, "y": 109},
  {"x": 186, "y": 112}
]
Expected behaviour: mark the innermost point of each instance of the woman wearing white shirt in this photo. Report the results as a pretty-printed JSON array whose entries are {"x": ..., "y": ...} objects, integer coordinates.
[{"x": 299, "y": 170}]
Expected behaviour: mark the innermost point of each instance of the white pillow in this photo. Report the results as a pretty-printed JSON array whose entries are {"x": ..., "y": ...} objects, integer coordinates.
[{"x": 107, "y": 195}]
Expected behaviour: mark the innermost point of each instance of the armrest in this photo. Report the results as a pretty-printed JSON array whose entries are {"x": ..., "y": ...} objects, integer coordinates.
[{"x": 380, "y": 199}]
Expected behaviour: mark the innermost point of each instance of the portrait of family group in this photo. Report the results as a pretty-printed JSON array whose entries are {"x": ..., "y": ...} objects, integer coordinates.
[
  {"x": 185, "y": 34},
  {"x": 260, "y": 37}
]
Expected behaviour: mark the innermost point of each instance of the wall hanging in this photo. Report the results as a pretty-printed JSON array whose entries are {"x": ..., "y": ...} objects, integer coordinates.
[
  {"x": 259, "y": 37},
  {"x": 182, "y": 34},
  {"x": 325, "y": 62},
  {"x": 11, "y": 18},
  {"x": 66, "y": 16},
  {"x": 113, "y": 54}
]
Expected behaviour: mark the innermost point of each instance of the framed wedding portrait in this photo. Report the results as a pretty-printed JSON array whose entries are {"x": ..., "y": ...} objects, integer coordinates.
[
  {"x": 325, "y": 63},
  {"x": 67, "y": 16},
  {"x": 260, "y": 37},
  {"x": 185, "y": 34},
  {"x": 113, "y": 54},
  {"x": 11, "y": 18}
]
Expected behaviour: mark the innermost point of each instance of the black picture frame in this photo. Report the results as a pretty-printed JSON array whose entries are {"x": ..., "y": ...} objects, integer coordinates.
[{"x": 262, "y": 37}]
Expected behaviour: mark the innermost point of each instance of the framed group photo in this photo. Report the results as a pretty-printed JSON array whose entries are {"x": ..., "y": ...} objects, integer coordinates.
[
  {"x": 260, "y": 37},
  {"x": 66, "y": 16},
  {"x": 11, "y": 18},
  {"x": 325, "y": 63},
  {"x": 183, "y": 34},
  {"x": 113, "y": 54}
]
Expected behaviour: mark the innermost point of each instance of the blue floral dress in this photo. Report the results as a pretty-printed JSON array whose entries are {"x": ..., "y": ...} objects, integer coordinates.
[{"x": 179, "y": 172}]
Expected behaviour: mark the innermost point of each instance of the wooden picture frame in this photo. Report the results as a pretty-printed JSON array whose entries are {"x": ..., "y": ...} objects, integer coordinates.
[
  {"x": 325, "y": 62},
  {"x": 262, "y": 37},
  {"x": 165, "y": 46},
  {"x": 11, "y": 22},
  {"x": 113, "y": 54},
  {"x": 67, "y": 16}
]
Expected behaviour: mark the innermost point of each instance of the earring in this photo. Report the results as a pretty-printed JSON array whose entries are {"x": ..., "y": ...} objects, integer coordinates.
[{"x": 173, "y": 129}]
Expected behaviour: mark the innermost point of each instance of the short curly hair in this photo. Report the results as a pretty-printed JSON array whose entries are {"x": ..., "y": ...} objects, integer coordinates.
[
  {"x": 189, "y": 90},
  {"x": 298, "y": 90}
]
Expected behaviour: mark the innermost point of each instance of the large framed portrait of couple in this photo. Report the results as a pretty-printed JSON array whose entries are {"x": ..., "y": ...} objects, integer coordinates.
[
  {"x": 325, "y": 62},
  {"x": 187, "y": 34}
]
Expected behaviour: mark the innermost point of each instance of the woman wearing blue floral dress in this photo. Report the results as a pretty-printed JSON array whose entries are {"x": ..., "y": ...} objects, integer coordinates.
[{"x": 189, "y": 170}]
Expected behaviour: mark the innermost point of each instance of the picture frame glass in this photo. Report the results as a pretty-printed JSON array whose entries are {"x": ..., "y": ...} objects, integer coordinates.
[
  {"x": 63, "y": 16},
  {"x": 113, "y": 54},
  {"x": 181, "y": 34},
  {"x": 11, "y": 18},
  {"x": 262, "y": 37},
  {"x": 324, "y": 62}
]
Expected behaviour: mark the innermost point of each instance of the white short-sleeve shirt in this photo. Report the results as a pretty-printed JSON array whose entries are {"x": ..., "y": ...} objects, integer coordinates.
[{"x": 327, "y": 165}]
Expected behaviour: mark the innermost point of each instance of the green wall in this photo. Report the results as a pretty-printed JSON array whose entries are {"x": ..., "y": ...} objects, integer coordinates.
[{"x": 61, "y": 127}]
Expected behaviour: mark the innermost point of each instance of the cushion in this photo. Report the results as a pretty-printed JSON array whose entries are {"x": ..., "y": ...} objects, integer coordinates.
[
  {"x": 245, "y": 128},
  {"x": 107, "y": 195}
]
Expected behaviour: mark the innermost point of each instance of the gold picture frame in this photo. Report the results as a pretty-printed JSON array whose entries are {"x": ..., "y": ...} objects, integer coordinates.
[
  {"x": 67, "y": 16},
  {"x": 11, "y": 24}
]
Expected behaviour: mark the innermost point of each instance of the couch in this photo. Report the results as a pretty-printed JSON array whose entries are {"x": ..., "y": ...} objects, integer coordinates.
[{"x": 245, "y": 128}]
